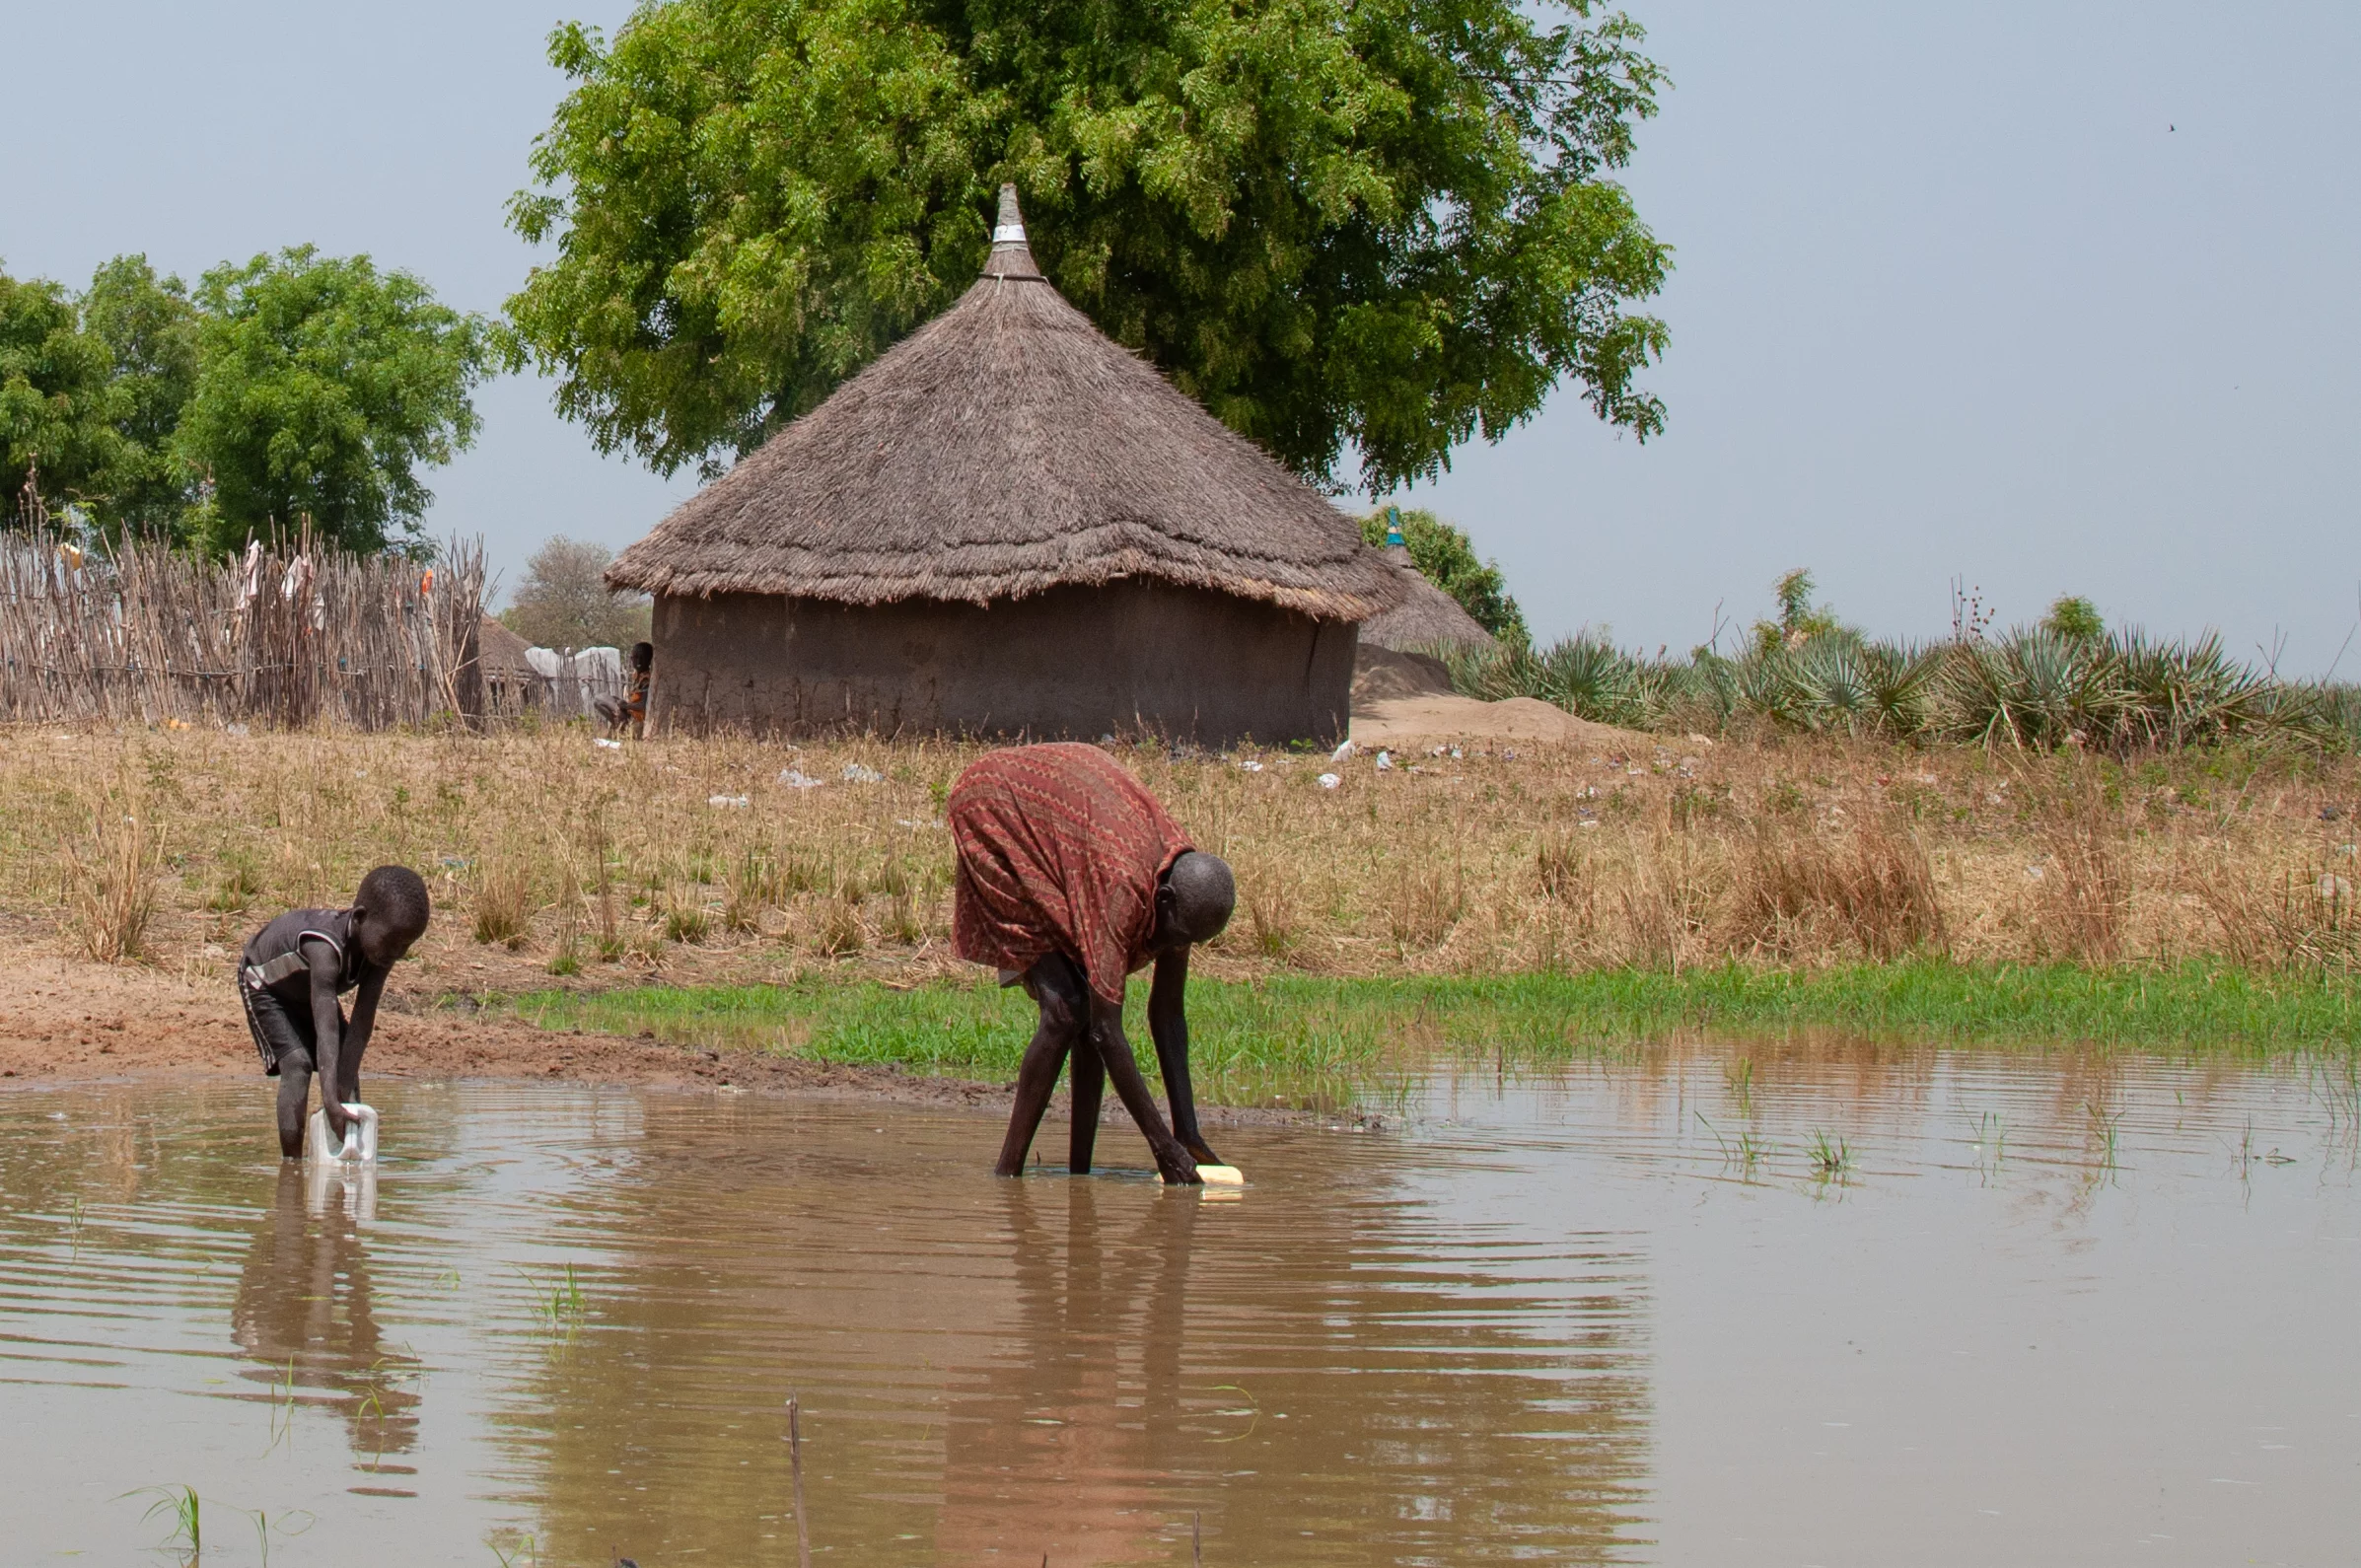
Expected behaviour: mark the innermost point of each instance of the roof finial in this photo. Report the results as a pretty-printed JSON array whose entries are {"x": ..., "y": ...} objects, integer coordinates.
[
  {"x": 1395, "y": 545},
  {"x": 1011, "y": 257}
]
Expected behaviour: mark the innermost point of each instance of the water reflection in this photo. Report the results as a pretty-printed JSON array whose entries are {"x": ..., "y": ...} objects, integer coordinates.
[
  {"x": 306, "y": 1314},
  {"x": 1322, "y": 1366},
  {"x": 2083, "y": 1306},
  {"x": 1084, "y": 1403}
]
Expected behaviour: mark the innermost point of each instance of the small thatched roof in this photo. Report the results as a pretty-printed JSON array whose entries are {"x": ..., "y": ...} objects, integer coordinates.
[
  {"x": 1426, "y": 617},
  {"x": 1005, "y": 447},
  {"x": 500, "y": 651}
]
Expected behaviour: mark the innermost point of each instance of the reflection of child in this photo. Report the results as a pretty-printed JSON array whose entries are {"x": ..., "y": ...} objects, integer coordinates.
[
  {"x": 291, "y": 974},
  {"x": 631, "y": 710}
]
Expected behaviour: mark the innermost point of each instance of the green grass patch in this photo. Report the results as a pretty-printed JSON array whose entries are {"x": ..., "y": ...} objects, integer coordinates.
[{"x": 1324, "y": 1041}]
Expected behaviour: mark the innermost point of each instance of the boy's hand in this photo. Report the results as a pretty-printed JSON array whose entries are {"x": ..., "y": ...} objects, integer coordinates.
[{"x": 337, "y": 1120}]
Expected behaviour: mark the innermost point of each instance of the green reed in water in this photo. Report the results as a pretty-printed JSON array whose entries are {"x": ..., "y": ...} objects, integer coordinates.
[
  {"x": 1325, "y": 1041},
  {"x": 559, "y": 1304},
  {"x": 185, "y": 1509}
]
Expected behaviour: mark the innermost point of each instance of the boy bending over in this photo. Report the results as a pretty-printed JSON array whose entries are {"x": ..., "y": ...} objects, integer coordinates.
[
  {"x": 1071, "y": 877},
  {"x": 293, "y": 970}
]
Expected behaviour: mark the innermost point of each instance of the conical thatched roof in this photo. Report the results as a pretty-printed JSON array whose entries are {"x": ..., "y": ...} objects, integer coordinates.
[
  {"x": 1426, "y": 617},
  {"x": 1005, "y": 447},
  {"x": 500, "y": 651}
]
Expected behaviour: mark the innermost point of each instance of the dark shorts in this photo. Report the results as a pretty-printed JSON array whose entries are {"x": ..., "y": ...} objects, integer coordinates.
[{"x": 278, "y": 1028}]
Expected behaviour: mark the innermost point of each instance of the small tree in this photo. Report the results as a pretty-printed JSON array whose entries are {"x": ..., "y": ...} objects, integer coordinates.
[
  {"x": 1445, "y": 558},
  {"x": 1799, "y": 619},
  {"x": 564, "y": 600},
  {"x": 150, "y": 328},
  {"x": 2074, "y": 619}
]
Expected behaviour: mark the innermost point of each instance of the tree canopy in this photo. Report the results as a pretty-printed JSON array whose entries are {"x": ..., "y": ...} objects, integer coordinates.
[
  {"x": 325, "y": 385},
  {"x": 1360, "y": 231},
  {"x": 56, "y": 406},
  {"x": 294, "y": 386},
  {"x": 2074, "y": 619},
  {"x": 1445, "y": 558},
  {"x": 564, "y": 600},
  {"x": 148, "y": 328}
]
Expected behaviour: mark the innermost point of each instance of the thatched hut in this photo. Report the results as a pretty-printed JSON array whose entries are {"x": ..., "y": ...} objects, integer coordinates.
[
  {"x": 510, "y": 682},
  {"x": 1009, "y": 524},
  {"x": 1427, "y": 618}
]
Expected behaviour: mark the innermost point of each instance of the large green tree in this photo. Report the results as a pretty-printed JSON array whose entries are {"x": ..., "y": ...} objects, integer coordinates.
[
  {"x": 149, "y": 327},
  {"x": 1359, "y": 230},
  {"x": 323, "y": 387},
  {"x": 58, "y": 400}
]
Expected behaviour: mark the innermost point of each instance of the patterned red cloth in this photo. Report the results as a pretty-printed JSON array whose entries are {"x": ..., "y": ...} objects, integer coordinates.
[{"x": 1059, "y": 851}]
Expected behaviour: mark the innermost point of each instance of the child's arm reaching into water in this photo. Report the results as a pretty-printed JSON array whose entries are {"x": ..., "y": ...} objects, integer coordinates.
[{"x": 336, "y": 1061}]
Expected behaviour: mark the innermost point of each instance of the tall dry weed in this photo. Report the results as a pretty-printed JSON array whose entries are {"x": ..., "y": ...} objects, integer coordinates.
[
  {"x": 1425, "y": 896},
  {"x": 1567, "y": 870},
  {"x": 1666, "y": 900},
  {"x": 1799, "y": 889},
  {"x": 111, "y": 869},
  {"x": 1482, "y": 862},
  {"x": 2081, "y": 896},
  {"x": 2292, "y": 919},
  {"x": 1274, "y": 909},
  {"x": 838, "y": 933},
  {"x": 503, "y": 900},
  {"x": 755, "y": 887}
]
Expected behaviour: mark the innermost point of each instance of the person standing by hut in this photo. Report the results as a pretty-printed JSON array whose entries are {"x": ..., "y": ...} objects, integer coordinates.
[{"x": 1071, "y": 877}]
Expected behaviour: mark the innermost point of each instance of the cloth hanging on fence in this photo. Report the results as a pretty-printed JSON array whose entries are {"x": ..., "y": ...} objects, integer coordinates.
[{"x": 250, "y": 580}]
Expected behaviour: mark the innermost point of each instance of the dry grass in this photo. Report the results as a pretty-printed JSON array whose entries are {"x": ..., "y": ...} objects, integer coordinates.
[
  {"x": 582, "y": 857},
  {"x": 1803, "y": 891},
  {"x": 111, "y": 870}
]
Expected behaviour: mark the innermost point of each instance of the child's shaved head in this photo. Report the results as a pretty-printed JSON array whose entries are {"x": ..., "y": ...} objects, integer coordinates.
[{"x": 393, "y": 901}]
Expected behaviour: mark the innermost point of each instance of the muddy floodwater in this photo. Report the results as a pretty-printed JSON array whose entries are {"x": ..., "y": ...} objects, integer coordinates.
[{"x": 1830, "y": 1305}]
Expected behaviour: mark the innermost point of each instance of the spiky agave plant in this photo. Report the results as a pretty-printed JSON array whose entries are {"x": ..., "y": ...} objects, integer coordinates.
[
  {"x": 1900, "y": 686},
  {"x": 1592, "y": 678},
  {"x": 2185, "y": 694},
  {"x": 1828, "y": 687},
  {"x": 2029, "y": 689}
]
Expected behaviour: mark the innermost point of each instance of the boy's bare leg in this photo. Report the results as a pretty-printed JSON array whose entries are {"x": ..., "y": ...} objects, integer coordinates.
[
  {"x": 295, "y": 1101},
  {"x": 1037, "y": 1079},
  {"x": 1089, "y": 1083},
  {"x": 1057, "y": 988}
]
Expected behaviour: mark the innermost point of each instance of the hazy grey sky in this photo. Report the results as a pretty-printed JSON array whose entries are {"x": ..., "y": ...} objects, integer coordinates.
[{"x": 2056, "y": 297}]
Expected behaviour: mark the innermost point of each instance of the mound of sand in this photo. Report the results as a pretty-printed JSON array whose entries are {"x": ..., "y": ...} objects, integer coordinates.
[
  {"x": 1399, "y": 697},
  {"x": 1401, "y": 720}
]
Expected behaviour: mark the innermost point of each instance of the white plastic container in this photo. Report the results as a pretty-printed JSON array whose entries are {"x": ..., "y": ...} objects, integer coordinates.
[{"x": 360, "y": 1136}]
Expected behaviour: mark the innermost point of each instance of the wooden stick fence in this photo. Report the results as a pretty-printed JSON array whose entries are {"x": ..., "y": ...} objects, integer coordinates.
[{"x": 141, "y": 632}]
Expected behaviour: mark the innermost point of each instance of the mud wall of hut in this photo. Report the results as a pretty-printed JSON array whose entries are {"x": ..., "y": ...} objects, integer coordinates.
[{"x": 1071, "y": 663}]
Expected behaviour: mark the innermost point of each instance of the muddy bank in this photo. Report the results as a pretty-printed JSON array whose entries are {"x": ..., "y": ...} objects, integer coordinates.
[{"x": 64, "y": 1022}]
